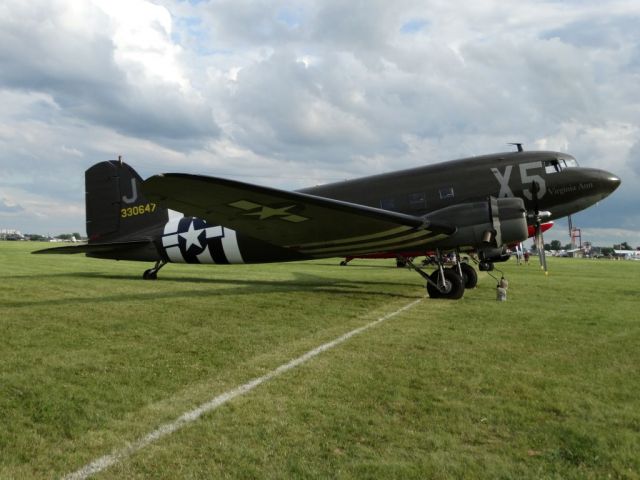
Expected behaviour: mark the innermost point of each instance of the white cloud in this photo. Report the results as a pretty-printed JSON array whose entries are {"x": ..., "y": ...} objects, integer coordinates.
[
  {"x": 142, "y": 40},
  {"x": 279, "y": 90},
  {"x": 118, "y": 69}
]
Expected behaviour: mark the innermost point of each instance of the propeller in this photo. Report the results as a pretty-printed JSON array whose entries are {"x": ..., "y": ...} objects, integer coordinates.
[{"x": 537, "y": 218}]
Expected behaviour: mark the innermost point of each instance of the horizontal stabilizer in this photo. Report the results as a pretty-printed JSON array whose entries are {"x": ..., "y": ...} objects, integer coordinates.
[{"x": 95, "y": 247}]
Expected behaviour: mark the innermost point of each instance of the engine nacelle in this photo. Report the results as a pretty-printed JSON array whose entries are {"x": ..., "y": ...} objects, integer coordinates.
[{"x": 487, "y": 224}]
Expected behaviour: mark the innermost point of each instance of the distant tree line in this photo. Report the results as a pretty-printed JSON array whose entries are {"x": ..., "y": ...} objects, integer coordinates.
[
  {"x": 69, "y": 236},
  {"x": 624, "y": 246},
  {"x": 556, "y": 245},
  {"x": 35, "y": 237}
]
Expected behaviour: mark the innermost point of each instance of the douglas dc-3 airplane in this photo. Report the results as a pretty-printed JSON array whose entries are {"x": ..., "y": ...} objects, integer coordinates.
[{"x": 478, "y": 204}]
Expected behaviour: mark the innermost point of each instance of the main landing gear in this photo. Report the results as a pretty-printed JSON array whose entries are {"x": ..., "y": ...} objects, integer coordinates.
[
  {"x": 468, "y": 274},
  {"x": 448, "y": 283},
  {"x": 152, "y": 273},
  {"x": 445, "y": 283}
]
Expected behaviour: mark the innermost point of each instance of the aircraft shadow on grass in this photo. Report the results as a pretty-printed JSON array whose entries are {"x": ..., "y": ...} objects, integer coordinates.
[{"x": 303, "y": 283}]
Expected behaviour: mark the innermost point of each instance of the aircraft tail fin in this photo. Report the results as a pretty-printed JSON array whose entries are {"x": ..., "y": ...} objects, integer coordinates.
[{"x": 116, "y": 209}]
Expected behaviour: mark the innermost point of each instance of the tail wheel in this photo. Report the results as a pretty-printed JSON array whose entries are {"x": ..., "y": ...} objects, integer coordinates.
[
  {"x": 150, "y": 274},
  {"x": 451, "y": 289}
]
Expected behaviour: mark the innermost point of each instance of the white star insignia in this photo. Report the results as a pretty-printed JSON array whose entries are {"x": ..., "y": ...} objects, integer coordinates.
[
  {"x": 265, "y": 211},
  {"x": 268, "y": 212},
  {"x": 191, "y": 236}
]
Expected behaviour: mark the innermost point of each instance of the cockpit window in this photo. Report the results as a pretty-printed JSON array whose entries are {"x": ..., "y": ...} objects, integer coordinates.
[
  {"x": 559, "y": 164},
  {"x": 552, "y": 166}
]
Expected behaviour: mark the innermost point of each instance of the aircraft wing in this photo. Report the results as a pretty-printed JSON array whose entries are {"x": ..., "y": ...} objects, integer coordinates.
[{"x": 310, "y": 224}]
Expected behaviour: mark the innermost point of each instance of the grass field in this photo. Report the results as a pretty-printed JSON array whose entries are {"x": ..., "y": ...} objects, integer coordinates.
[{"x": 545, "y": 385}]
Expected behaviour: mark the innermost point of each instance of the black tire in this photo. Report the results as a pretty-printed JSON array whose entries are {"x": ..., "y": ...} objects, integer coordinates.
[
  {"x": 469, "y": 275},
  {"x": 150, "y": 275},
  {"x": 486, "y": 266},
  {"x": 454, "y": 285},
  {"x": 431, "y": 289}
]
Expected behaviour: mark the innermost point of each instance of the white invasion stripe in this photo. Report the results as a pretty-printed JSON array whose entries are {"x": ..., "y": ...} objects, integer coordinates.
[
  {"x": 107, "y": 461},
  {"x": 205, "y": 256},
  {"x": 169, "y": 240},
  {"x": 346, "y": 251},
  {"x": 374, "y": 244},
  {"x": 174, "y": 254},
  {"x": 230, "y": 246},
  {"x": 172, "y": 225},
  {"x": 386, "y": 233},
  {"x": 173, "y": 214},
  {"x": 213, "y": 232}
]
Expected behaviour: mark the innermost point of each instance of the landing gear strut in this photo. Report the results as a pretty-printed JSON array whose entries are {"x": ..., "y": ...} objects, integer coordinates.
[
  {"x": 152, "y": 273},
  {"x": 468, "y": 273}
]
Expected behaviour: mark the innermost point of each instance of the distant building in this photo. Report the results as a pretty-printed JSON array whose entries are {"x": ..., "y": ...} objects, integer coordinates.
[
  {"x": 628, "y": 254},
  {"x": 11, "y": 234}
]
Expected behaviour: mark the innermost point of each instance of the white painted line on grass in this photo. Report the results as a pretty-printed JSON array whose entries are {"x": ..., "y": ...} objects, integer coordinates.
[{"x": 107, "y": 461}]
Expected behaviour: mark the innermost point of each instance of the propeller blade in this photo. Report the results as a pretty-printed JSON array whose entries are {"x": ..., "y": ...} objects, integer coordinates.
[
  {"x": 540, "y": 246},
  {"x": 535, "y": 188}
]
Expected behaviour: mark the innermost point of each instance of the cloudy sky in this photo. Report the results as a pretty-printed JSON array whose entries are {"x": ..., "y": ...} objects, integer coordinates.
[{"x": 297, "y": 93}]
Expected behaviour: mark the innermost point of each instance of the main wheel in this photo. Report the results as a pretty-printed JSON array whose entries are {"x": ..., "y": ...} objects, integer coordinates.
[
  {"x": 432, "y": 290},
  {"x": 469, "y": 275},
  {"x": 452, "y": 289}
]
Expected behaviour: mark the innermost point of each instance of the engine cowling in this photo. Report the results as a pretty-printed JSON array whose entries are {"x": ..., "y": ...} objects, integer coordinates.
[{"x": 485, "y": 224}]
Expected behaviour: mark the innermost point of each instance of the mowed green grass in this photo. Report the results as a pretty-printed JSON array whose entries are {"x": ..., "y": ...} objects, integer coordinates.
[{"x": 545, "y": 385}]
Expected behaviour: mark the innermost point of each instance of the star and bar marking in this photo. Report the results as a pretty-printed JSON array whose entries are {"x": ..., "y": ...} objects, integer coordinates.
[
  {"x": 264, "y": 212},
  {"x": 192, "y": 237}
]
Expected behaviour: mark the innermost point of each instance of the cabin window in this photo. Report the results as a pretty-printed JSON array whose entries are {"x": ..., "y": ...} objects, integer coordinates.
[
  {"x": 417, "y": 201},
  {"x": 446, "y": 193},
  {"x": 388, "y": 204}
]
